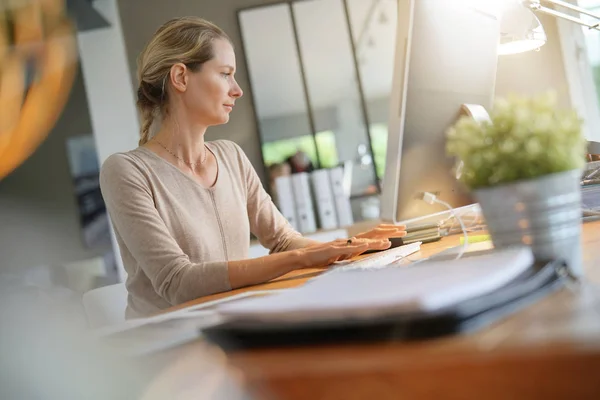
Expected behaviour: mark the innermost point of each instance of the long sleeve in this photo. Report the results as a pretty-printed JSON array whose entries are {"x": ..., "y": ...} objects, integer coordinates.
[
  {"x": 146, "y": 241},
  {"x": 270, "y": 227}
]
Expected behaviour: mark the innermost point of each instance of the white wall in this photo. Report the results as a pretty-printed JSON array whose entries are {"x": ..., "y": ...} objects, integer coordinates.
[
  {"x": 108, "y": 84},
  {"x": 109, "y": 90},
  {"x": 579, "y": 74}
]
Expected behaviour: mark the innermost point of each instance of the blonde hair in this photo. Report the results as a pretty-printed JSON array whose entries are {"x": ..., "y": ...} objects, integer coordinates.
[{"x": 186, "y": 40}]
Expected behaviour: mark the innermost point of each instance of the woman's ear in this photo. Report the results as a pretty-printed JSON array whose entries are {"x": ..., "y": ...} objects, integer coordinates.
[{"x": 178, "y": 77}]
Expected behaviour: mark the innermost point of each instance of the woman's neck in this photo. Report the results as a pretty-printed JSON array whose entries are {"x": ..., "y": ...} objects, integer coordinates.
[{"x": 185, "y": 140}]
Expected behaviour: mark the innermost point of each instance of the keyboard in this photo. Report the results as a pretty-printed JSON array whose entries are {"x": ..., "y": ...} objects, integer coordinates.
[{"x": 382, "y": 259}]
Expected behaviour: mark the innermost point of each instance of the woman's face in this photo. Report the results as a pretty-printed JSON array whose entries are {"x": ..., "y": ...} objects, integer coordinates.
[{"x": 210, "y": 93}]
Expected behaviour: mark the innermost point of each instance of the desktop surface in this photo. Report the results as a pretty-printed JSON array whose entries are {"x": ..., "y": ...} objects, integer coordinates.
[{"x": 550, "y": 349}]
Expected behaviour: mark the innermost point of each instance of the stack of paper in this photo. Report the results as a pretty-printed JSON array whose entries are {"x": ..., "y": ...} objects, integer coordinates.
[{"x": 428, "y": 286}]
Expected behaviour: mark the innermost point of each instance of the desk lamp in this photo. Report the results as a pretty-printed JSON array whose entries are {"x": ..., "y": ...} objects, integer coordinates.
[
  {"x": 522, "y": 31},
  {"x": 539, "y": 7}
]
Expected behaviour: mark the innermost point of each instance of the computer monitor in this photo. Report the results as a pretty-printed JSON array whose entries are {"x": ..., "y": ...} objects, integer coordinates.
[{"x": 446, "y": 56}]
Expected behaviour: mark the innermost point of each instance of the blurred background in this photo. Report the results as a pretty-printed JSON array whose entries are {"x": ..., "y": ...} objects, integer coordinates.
[{"x": 316, "y": 74}]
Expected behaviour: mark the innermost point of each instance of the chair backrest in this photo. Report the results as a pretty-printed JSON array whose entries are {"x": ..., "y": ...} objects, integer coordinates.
[{"x": 106, "y": 305}]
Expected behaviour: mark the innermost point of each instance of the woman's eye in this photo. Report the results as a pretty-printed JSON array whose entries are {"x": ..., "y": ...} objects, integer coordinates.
[{"x": 226, "y": 73}]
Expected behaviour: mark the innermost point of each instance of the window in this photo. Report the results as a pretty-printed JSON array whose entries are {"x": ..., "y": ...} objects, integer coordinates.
[
  {"x": 327, "y": 149},
  {"x": 278, "y": 151},
  {"x": 379, "y": 139}
]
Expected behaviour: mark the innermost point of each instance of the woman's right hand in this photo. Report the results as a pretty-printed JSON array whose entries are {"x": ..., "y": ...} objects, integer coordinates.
[{"x": 324, "y": 254}]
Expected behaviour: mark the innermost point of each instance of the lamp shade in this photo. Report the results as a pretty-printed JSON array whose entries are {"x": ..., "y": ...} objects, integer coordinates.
[{"x": 520, "y": 29}]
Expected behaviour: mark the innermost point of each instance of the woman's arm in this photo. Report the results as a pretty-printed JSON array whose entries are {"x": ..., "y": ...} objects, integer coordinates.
[
  {"x": 262, "y": 269},
  {"x": 143, "y": 234},
  {"x": 271, "y": 228}
]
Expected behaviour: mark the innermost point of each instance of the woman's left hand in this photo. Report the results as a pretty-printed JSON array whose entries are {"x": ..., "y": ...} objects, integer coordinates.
[
  {"x": 380, "y": 232},
  {"x": 384, "y": 231}
]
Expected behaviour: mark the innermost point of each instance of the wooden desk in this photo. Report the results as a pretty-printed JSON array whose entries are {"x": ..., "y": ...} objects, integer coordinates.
[{"x": 549, "y": 350}]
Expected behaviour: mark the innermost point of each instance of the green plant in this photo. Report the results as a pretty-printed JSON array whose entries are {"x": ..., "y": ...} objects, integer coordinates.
[{"x": 526, "y": 137}]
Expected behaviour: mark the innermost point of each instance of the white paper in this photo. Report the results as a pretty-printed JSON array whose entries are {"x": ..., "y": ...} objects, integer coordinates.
[
  {"x": 143, "y": 336},
  {"x": 424, "y": 287},
  {"x": 205, "y": 310}
]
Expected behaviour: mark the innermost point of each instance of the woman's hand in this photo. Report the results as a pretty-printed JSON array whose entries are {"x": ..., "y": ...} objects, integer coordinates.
[
  {"x": 324, "y": 254},
  {"x": 384, "y": 231}
]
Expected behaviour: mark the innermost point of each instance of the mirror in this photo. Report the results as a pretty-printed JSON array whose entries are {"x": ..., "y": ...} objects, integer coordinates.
[
  {"x": 320, "y": 74},
  {"x": 333, "y": 89},
  {"x": 373, "y": 26},
  {"x": 277, "y": 88}
]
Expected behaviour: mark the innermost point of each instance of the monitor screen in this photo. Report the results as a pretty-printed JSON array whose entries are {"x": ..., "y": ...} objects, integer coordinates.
[{"x": 446, "y": 56}]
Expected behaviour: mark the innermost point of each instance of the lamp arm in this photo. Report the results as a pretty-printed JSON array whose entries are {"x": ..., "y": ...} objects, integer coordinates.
[
  {"x": 573, "y": 7},
  {"x": 536, "y": 6}
]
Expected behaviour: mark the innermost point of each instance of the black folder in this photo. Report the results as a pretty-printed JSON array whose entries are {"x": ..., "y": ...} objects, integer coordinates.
[{"x": 537, "y": 281}]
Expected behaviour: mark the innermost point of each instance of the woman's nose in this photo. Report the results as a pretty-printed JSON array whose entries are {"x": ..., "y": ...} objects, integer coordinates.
[{"x": 237, "y": 91}]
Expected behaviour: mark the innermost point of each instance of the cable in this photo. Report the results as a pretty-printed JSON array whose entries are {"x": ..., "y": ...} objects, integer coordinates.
[
  {"x": 471, "y": 219},
  {"x": 430, "y": 198}
]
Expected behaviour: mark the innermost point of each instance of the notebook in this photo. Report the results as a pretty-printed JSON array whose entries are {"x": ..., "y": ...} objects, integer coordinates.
[
  {"x": 426, "y": 300},
  {"x": 428, "y": 286}
]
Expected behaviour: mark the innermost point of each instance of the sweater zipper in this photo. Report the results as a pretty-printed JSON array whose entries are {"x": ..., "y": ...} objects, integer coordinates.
[{"x": 212, "y": 197}]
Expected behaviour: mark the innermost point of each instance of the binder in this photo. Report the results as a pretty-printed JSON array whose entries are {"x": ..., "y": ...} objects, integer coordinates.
[
  {"x": 304, "y": 206},
  {"x": 285, "y": 199},
  {"x": 324, "y": 199},
  {"x": 341, "y": 199},
  {"x": 538, "y": 280}
]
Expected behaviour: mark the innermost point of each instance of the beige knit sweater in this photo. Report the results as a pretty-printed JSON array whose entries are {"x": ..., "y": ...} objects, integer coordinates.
[{"x": 176, "y": 236}]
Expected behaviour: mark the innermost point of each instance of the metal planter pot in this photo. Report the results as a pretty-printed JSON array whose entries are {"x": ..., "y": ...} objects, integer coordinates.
[{"x": 544, "y": 213}]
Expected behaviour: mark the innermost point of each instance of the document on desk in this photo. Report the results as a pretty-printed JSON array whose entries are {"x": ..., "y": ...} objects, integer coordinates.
[
  {"x": 425, "y": 287},
  {"x": 142, "y": 336}
]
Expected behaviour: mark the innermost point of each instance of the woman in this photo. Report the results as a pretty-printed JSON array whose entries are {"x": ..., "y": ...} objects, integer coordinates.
[{"x": 182, "y": 208}]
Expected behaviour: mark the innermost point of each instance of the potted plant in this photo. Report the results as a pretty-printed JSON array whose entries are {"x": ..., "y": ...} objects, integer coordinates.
[{"x": 524, "y": 166}]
